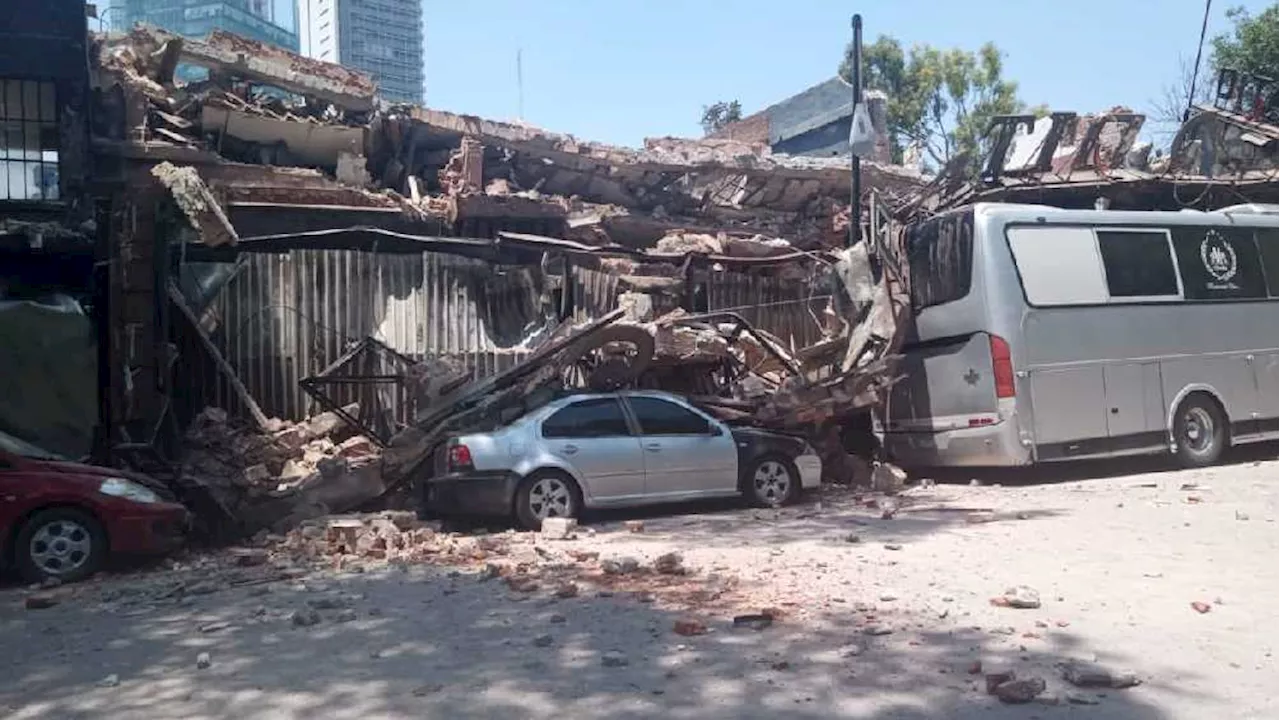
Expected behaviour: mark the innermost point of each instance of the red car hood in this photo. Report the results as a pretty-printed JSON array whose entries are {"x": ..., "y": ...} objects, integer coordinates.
[{"x": 95, "y": 471}]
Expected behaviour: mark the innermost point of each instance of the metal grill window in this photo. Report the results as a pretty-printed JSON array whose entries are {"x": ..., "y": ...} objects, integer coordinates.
[{"x": 28, "y": 140}]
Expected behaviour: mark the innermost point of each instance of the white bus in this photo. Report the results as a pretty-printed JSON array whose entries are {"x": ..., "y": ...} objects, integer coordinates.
[{"x": 1043, "y": 334}]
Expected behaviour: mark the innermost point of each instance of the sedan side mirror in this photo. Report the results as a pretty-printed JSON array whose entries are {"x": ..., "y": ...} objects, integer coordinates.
[{"x": 716, "y": 430}]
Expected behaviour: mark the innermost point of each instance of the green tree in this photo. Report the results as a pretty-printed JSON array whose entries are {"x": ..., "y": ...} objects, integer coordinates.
[
  {"x": 1252, "y": 45},
  {"x": 940, "y": 100},
  {"x": 719, "y": 114}
]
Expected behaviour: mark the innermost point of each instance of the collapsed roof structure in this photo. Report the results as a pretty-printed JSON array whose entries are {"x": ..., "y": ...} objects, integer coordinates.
[{"x": 1222, "y": 154}]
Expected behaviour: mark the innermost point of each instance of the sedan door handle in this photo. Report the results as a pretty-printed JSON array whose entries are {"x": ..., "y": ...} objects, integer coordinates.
[
  {"x": 653, "y": 447},
  {"x": 570, "y": 449}
]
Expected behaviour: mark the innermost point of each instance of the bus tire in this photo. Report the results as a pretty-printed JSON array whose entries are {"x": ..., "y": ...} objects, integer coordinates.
[{"x": 1199, "y": 431}]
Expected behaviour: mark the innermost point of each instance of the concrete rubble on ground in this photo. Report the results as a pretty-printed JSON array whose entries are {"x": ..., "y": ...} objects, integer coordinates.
[{"x": 519, "y": 562}]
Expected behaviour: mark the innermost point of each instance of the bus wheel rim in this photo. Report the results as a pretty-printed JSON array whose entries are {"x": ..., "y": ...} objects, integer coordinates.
[{"x": 1198, "y": 430}]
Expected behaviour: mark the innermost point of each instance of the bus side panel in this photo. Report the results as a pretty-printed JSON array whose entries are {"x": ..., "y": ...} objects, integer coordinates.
[{"x": 1230, "y": 376}]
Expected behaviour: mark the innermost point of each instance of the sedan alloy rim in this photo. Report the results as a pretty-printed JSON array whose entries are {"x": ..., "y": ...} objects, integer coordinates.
[
  {"x": 60, "y": 547},
  {"x": 772, "y": 481},
  {"x": 549, "y": 497}
]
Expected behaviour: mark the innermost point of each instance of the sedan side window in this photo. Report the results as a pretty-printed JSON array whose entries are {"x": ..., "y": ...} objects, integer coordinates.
[
  {"x": 598, "y": 417},
  {"x": 660, "y": 417}
]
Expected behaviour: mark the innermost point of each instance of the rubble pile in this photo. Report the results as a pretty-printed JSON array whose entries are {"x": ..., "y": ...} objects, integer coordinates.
[
  {"x": 284, "y": 475},
  {"x": 524, "y": 562},
  {"x": 270, "y": 131},
  {"x": 625, "y": 197}
]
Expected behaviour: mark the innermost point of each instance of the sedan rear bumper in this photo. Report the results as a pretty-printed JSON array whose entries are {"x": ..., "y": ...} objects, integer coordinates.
[
  {"x": 148, "y": 529},
  {"x": 487, "y": 493}
]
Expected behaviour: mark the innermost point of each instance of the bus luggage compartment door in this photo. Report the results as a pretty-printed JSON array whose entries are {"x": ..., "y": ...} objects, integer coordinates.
[{"x": 1067, "y": 406}]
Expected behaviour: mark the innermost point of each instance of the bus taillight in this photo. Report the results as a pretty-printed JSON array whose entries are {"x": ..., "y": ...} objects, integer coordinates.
[{"x": 1002, "y": 367}]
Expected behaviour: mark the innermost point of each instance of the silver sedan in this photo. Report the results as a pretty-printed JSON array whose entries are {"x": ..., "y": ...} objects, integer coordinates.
[{"x": 610, "y": 450}]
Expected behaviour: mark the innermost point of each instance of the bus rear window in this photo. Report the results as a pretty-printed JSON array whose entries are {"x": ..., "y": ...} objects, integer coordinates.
[{"x": 940, "y": 255}]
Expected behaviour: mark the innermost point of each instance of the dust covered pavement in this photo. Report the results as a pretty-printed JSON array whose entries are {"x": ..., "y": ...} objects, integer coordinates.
[{"x": 906, "y": 607}]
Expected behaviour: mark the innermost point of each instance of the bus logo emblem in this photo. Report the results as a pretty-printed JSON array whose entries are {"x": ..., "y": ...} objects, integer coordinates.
[{"x": 1218, "y": 256}]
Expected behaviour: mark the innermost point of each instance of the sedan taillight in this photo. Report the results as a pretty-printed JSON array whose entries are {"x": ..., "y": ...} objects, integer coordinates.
[{"x": 460, "y": 458}]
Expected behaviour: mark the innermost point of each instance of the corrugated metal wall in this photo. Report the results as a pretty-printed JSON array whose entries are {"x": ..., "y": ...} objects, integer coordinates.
[
  {"x": 789, "y": 309},
  {"x": 287, "y": 316}
]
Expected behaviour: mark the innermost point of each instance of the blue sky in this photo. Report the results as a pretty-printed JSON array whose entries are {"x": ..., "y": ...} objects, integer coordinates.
[{"x": 618, "y": 71}]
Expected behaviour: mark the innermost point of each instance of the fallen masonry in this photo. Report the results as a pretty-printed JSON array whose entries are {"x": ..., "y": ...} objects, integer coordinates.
[{"x": 279, "y": 477}]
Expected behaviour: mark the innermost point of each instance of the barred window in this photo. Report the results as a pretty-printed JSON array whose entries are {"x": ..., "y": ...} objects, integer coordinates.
[{"x": 28, "y": 140}]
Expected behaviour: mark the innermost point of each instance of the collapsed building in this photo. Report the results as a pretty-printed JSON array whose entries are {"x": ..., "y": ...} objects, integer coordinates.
[{"x": 305, "y": 290}]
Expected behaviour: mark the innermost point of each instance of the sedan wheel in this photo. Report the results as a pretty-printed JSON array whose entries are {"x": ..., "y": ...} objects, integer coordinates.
[
  {"x": 773, "y": 483},
  {"x": 546, "y": 496},
  {"x": 63, "y": 543},
  {"x": 550, "y": 497}
]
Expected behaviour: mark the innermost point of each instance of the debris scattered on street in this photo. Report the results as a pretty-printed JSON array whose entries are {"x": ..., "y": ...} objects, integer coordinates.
[
  {"x": 1093, "y": 675},
  {"x": 620, "y": 566},
  {"x": 757, "y": 621},
  {"x": 304, "y": 618},
  {"x": 689, "y": 628},
  {"x": 558, "y": 528},
  {"x": 614, "y": 659},
  {"x": 40, "y": 601},
  {"x": 1019, "y": 690},
  {"x": 670, "y": 564},
  {"x": 1020, "y": 597}
]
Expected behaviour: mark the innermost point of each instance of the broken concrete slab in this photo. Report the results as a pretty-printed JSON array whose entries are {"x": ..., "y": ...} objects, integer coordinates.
[
  {"x": 227, "y": 54},
  {"x": 192, "y": 196},
  {"x": 308, "y": 143}
]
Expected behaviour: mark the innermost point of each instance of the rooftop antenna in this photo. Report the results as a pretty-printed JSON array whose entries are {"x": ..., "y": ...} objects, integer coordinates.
[
  {"x": 519, "y": 86},
  {"x": 1195, "y": 71},
  {"x": 855, "y": 189}
]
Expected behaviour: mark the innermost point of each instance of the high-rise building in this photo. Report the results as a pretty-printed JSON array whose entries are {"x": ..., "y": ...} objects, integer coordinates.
[
  {"x": 380, "y": 37},
  {"x": 197, "y": 18}
]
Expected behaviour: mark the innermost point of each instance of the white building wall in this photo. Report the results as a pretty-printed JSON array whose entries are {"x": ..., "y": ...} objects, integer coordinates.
[
  {"x": 318, "y": 28},
  {"x": 380, "y": 37}
]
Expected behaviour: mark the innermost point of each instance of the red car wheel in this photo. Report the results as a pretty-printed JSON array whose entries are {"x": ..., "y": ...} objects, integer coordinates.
[{"x": 62, "y": 543}]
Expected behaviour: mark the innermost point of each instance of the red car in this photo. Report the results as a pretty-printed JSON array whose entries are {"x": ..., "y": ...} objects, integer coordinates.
[{"x": 63, "y": 519}]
